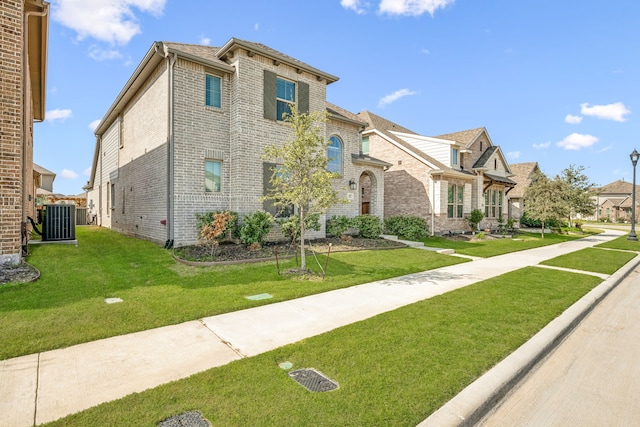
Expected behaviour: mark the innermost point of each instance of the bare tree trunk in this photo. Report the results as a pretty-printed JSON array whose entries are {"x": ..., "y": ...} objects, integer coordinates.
[
  {"x": 542, "y": 222},
  {"x": 303, "y": 260}
]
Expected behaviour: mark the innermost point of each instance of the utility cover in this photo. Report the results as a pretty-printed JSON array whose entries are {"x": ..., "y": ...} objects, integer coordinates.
[
  {"x": 313, "y": 380},
  {"x": 259, "y": 297},
  {"x": 186, "y": 419}
]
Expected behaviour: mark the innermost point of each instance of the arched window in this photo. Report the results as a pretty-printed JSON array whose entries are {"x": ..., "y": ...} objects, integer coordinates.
[{"x": 334, "y": 153}]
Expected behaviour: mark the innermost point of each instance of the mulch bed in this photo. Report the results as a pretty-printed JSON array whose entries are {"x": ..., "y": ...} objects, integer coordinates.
[{"x": 232, "y": 252}]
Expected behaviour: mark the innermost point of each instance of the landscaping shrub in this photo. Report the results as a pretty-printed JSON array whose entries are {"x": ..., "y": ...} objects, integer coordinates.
[
  {"x": 215, "y": 231},
  {"x": 408, "y": 227},
  {"x": 291, "y": 226},
  {"x": 255, "y": 227},
  {"x": 474, "y": 218},
  {"x": 338, "y": 225},
  {"x": 369, "y": 226},
  {"x": 231, "y": 230}
]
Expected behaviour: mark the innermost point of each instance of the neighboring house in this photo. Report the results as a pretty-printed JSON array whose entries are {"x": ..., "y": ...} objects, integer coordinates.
[
  {"x": 441, "y": 179},
  {"x": 613, "y": 201},
  {"x": 23, "y": 43},
  {"x": 522, "y": 175},
  {"x": 186, "y": 135},
  {"x": 43, "y": 180}
]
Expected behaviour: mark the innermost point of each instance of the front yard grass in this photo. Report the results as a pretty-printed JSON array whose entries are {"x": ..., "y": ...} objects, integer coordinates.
[
  {"x": 67, "y": 306},
  {"x": 485, "y": 248},
  {"x": 393, "y": 369}
]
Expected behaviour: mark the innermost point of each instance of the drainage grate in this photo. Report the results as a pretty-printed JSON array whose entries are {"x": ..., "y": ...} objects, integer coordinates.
[
  {"x": 186, "y": 419},
  {"x": 313, "y": 380}
]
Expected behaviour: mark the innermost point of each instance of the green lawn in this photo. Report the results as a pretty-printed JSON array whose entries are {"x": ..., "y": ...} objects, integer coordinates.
[
  {"x": 67, "y": 306},
  {"x": 485, "y": 248},
  {"x": 593, "y": 259},
  {"x": 394, "y": 369}
]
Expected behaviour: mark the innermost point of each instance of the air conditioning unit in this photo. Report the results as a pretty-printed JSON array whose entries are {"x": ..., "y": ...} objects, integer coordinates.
[{"x": 58, "y": 222}]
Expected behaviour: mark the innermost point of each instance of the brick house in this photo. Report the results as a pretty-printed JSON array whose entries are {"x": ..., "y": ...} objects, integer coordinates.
[
  {"x": 24, "y": 30},
  {"x": 613, "y": 202},
  {"x": 186, "y": 136},
  {"x": 441, "y": 179},
  {"x": 522, "y": 175}
]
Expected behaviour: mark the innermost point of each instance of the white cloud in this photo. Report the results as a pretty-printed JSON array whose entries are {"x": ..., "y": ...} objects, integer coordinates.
[
  {"x": 514, "y": 155},
  {"x": 87, "y": 172},
  {"x": 354, "y": 5},
  {"x": 425, "y": 51},
  {"x": 412, "y": 7},
  {"x": 98, "y": 54},
  {"x": 616, "y": 112},
  {"x": 205, "y": 41},
  {"x": 543, "y": 145},
  {"x": 110, "y": 21},
  {"x": 68, "y": 174},
  {"x": 577, "y": 141},
  {"x": 94, "y": 124},
  {"x": 395, "y": 96},
  {"x": 256, "y": 27},
  {"x": 571, "y": 119},
  {"x": 58, "y": 115}
]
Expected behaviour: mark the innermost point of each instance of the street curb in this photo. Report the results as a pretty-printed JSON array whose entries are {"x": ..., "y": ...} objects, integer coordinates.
[{"x": 473, "y": 403}]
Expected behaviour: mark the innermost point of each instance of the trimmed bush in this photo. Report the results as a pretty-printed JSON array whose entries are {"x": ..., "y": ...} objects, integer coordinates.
[
  {"x": 255, "y": 227},
  {"x": 408, "y": 227},
  {"x": 338, "y": 225},
  {"x": 369, "y": 226},
  {"x": 291, "y": 225}
]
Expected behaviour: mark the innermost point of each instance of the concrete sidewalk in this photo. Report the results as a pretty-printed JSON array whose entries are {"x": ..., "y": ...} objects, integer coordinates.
[{"x": 44, "y": 387}]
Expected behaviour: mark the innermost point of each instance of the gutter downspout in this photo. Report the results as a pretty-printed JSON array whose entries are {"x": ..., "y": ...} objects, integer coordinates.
[
  {"x": 171, "y": 60},
  {"x": 25, "y": 126},
  {"x": 433, "y": 205}
]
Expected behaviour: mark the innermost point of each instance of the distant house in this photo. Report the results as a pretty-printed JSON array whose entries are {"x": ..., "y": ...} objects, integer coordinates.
[
  {"x": 43, "y": 180},
  {"x": 187, "y": 132},
  {"x": 522, "y": 175},
  {"x": 614, "y": 201},
  {"x": 24, "y": 30},
  {"x": 441, "y": 179}
]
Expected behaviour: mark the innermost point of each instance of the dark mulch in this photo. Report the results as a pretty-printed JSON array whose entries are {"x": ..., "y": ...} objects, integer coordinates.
[
  {"x": 20, "y": 273},
  {"x": 229, "y": 252}
]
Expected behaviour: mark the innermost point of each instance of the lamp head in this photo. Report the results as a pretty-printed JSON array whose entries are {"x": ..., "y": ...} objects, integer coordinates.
[{"x": 634, "y": 157}]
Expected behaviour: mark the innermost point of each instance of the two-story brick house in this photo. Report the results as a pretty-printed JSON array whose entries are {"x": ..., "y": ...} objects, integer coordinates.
[
  {"x": 23, "y": 47},
  {"x": 187, "y": 132},
  {"x": 441, "y": 179}
]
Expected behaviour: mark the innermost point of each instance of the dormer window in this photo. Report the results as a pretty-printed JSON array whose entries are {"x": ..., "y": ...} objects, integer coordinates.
[{"x": 454, "y": 156}]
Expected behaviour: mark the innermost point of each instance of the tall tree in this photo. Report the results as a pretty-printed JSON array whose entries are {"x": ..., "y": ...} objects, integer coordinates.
[
  {"x": 577, "y": 193},
  {"x": 301, "y": 177},
  {"x": 544, "y": 199}
]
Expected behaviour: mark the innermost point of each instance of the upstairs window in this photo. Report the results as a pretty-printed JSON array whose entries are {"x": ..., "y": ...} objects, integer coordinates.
[
  {"x": 285, "y": 97},
  {"x": 454, "y": 156},
  {"x": 365, "y": 145},
  {"x": 334, "y": 153},
  {"x": 212, "y": 91}
]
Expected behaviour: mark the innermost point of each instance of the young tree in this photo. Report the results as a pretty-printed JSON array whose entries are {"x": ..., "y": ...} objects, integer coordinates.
[
  {"x": 576, "y": 192},
  {"x": 301, "y": 178},
  {"x": 544, "y": 199}
]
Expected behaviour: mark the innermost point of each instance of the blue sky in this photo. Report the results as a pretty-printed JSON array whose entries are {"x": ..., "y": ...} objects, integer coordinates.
[{"x": 552, "y": 81}]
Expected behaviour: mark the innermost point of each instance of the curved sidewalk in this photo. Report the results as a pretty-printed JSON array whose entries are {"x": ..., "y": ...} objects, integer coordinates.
[{"x": 44, "y": 387}]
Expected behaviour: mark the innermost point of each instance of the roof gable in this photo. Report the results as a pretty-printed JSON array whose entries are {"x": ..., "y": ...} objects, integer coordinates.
[
  {"x": 466, "y": 137},
  {"x": 522, "y": 175}
]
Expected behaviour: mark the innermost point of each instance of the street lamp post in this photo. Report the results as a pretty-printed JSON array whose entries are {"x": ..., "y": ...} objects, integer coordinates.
[{"x": 634, "y": 161}]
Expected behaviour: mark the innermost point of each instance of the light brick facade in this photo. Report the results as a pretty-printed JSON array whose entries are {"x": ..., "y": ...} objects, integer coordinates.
[
  {"x": 148, "y": 177},
  {"x": 424, "y": 169},
  {"x": 19, "y": 18}
]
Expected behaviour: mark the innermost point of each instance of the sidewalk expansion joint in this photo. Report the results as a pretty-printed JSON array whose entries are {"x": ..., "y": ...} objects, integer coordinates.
[{"x": 223, "y": 341}]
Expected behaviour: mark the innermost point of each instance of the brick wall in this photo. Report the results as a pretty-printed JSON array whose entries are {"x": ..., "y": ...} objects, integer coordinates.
[{"x": 11, "y": 130}]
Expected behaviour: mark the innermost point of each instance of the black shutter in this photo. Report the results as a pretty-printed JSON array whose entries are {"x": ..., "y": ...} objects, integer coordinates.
[
  {"x": 269, "y": 97},
  {"x": 303, "y": 98}
]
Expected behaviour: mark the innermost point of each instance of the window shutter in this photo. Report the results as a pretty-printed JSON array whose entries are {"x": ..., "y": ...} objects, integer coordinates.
[
  {"x": 269, "y": 95},
  {"x": 303, "y": 98}
]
